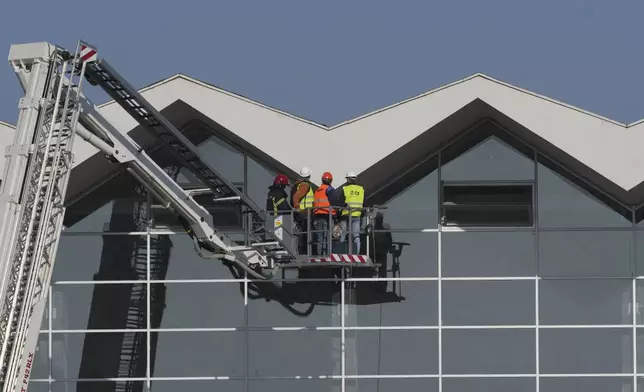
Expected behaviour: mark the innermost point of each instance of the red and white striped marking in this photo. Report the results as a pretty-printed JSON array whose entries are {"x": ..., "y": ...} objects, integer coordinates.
[
  {"x": 88, "y": 54},
  {"x": 336, "y": 258}
]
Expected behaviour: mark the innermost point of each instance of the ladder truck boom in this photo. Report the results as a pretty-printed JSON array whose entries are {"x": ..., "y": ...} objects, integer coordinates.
[{"x": 39, "y": 163}]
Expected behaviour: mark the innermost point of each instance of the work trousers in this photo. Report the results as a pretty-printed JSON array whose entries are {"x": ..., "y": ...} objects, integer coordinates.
[
  {"x": 321, "y": 235},
  {"x": 355, "y": 232}
]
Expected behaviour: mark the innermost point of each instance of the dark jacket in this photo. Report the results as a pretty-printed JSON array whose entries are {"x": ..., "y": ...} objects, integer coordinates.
[{"x": 275, "y": 194}]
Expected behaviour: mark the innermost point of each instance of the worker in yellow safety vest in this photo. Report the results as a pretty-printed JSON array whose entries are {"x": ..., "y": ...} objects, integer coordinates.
[
  {"x": 351, "y": 196},
  {"x": 302, "y": 201}
]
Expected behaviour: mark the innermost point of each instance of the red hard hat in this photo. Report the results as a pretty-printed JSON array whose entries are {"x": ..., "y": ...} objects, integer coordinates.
[
  {"x": 327, "y": 176},
  {"x": 280, "y": 179}
]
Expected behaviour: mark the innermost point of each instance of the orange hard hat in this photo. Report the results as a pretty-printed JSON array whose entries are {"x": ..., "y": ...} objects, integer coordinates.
[{"x": 327, "y": 176}]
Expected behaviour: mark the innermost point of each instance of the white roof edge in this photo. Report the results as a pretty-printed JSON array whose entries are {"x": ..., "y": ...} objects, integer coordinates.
[
  {"x": 6, "y": 124},
  {"x": 393, "y": 105}
]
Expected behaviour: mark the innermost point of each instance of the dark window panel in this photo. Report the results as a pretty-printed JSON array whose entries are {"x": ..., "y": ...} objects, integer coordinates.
[
  {"x": 391, "y": 352},
  {"x": 40, "y": 364},
  {"x": 303, "y": 303},
  {"x": 393, "y": 384},
  {"x": 640, "y": 350},
  {"x": 259, "y": 178},
  {"x": 499, "y": 351},
  {"x": 178, "y": 253},
  {"x": 102, "y": 306},
  {"x": 564, "y": 204},
  {"x": 42, "y": 386},
  {"x": 488, "y": 254},
  {"x": 198, "y": 305},
  {"x": 294, "y": 353},
  {"x": 487, "y": 205},
  {"x": 588, "y": 301},
  {"x": 196, "y": 385},
  {"x": 639, "y": 253},
  {"x": 198, "y": 354},
  {"x": 419, "y": 256},
  {"x": 488, "y": 303},
  {"x": 416, "y": 208},
  {"x": 107, "y": 257},
  {"x": 394, "y": 303},
  {"x": 97, "y": 386},
  {"x": 586, "y": 384},
  {"x": 98, "y": 355},
  {"x": 577, "y": 351},
  {"x": 585, "y": 253},
  {"x": 284, "y": 385},
  {"x": 523, "y": 384},
  {"x": 490, "y": 160}
]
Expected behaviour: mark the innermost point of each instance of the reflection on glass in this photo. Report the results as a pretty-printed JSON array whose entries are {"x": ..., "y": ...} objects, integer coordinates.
[
  {"x": 108, "y": 257},
  {"x": 564, "y": 205},
  {"x": 415, "y": 208},
  {"x": 585, "y": 253},
  {"x": 508, "y": 384},
  {"x": 574, "y": 351},
  {"x": 586, "y": 384},
  {"x": 390, "y": 352},
  {"x": 393, "y": 384},
  {"x": 197, "y": 385},
  {"x": 284, "y": 385},
  {"x": 488, "y": 254},
  {"x": 490, "y": 160}
]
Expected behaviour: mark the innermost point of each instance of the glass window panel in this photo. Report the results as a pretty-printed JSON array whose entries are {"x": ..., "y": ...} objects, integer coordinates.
[
  {"x": 226, "y": 159},
  {"x": 286, "y": 385},
  {"x": 178, "y": 253},
  {"x": 639, "y": 255},
  {"x": 563, "y": 204},
  {"x": 585, "y": 253},
  {"x": 196, "y": 385},
  {"x": 640, "y": 350},
  {"x": 300, "y": 303},
  {"x": 107, "y": 257},
  {"x": 495, "y": 351},
  {"x": 98, "y": 355},
  {"x": 40, "y": 364},
  {"x": 394, "y": 303},
  {"x": 470, "y": 384},
  {"x": 393, "y": 384},
  {"x": 575, "y": 351},
  {"x": 41, "y": 386},
  {"x": 101, "y": 306},
  {"x": 97, "y": 386},
  {"x": 294, "y": 353},
  {"x": 259, "y": 178},
  {"x": 488, "y": 303},
  {"x": 198, "y": 354},
  {"x": 488, "y": 254},
  {"x": 199, "y": 305},
  {"x": 418, "y": 258},
  {"x": 491, "y": 159},
  {"x": 588, "y": 301},
  {"x": 125, "y": 214},
  {"x": 414, "y": 208},
  {"x": 586, "y": 384},
  {"x": 391, "y": 352}
]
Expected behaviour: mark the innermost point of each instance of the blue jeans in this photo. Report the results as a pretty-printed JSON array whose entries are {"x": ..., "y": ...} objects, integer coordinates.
[
  {"x": 355, "y": 232},
  {"x": 321, "y": 235}
]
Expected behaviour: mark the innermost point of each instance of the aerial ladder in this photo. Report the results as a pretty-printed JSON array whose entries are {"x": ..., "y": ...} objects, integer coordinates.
[{"x": 32, "y": 194}]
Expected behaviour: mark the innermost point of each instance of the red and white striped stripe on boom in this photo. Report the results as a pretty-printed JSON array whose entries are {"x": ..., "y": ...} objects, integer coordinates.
[
  {"x": 336, "y": 258},
  {"x": 87, "y": 53}
]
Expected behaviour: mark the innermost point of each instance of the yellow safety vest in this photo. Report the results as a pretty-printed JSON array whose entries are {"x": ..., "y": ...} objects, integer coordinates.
[
  {"x": 354, "y": 198},
  {"x": 277, "y": 204},
  {"x": 307, "y": 200}
]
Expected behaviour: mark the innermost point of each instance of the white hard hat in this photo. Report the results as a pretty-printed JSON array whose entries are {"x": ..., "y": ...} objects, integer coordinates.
[
  {"x": 350, "y": 175},
  {"x": 305, "y": 172}
]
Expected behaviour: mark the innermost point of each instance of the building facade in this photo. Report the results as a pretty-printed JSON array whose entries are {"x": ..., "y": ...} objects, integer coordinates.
[{"x": 513, "y": 256}]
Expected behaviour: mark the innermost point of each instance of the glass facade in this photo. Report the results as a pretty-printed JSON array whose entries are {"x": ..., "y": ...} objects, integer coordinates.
[{"x": 549, "y": 307}]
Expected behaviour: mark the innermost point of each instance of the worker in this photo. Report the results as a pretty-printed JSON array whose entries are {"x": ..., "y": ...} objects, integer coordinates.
[
  {"x": 277, "y": 199},
  {"x": 302, "y": 201},
  {"x": 351, "y": 196},
  {"x": 323, "y": 214}
]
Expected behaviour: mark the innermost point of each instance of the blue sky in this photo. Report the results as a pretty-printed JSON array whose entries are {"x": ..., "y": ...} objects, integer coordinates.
[{"x": 332, "y": 60}]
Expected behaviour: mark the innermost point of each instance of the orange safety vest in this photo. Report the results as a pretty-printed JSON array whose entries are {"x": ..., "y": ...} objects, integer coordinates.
[{"x": 321, "y": 202}]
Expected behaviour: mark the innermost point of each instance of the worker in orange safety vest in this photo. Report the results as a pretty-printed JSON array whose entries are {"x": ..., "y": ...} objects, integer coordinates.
[{"x": 323, "y": 215}]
